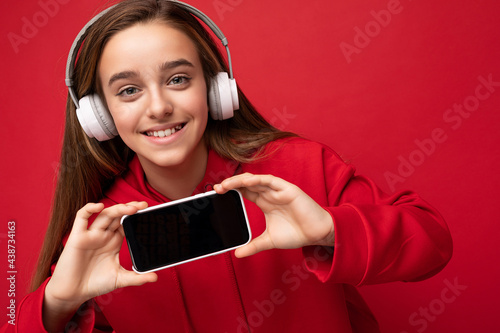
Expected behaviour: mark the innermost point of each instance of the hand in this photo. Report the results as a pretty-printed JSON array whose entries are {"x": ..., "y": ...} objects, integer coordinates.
[
  {"x": 89, "y": 265},
  {"x": 293, "y": 219}
]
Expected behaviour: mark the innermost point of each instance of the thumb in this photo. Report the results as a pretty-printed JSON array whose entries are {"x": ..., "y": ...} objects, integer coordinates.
[
  {"x": 130, "y": 278},
  {"x": 256, "y": 245}
]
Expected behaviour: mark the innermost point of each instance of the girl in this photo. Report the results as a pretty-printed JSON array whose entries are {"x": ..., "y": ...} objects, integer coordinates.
[{"x": 322, "y": 229}]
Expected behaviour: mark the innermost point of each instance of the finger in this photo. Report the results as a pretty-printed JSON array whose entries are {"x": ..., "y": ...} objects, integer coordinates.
[
  {"x": 138, "y": 204},
  {"x": 253, "y": 186},
  {"x": 257, "y": 245},
  {"x": 263, "y": 182},
  {"x": 230, "y": 183},
  {"x": 249, "y": 195},
  {"x": 121, "y": 231},
  {"x": 114, "y": 225},
  {"x": 117, "y": 222},
  {"x": 113, "y": 214},
  {"x": 254, "y": 182},
  {"x": 246, "y": 180},
  {"x": 83, "y": 215}
]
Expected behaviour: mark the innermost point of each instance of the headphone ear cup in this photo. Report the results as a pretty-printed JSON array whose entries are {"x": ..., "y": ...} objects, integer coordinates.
[
  {"x": 95, "y": 118},
  {"x": 223, "y": 97}
]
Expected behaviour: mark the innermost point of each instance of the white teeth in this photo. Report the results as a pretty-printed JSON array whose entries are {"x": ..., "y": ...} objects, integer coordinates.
[{"x": 167, "y": 132}]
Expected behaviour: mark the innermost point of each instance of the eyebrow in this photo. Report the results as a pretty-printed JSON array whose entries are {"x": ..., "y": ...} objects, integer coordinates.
[
  {"x": 175, "y": 63},
  {"x": 122, "y": 75},
  {"x": 167, "y": 65}
]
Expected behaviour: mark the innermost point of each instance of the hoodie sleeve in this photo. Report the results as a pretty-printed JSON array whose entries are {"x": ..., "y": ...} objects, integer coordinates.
[
  {"x": 378, "y": 237},
  {"x": 29, "y": 315},
  {"x": 88, "y": 318}
]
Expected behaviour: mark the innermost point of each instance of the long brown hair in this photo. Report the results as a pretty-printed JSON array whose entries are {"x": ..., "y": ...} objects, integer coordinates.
[{"x": 88, "y": 167}]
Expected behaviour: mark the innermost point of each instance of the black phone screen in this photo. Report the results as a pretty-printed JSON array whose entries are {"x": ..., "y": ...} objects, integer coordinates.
[{"x": 187, "y": 230}]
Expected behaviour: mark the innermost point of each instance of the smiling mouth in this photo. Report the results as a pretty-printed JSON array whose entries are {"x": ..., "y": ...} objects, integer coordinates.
[{"x": 165, "y": 133}]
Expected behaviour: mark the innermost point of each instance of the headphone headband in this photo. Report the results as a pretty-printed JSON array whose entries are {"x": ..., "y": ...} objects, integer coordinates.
[{"x": 70, "y": 63}]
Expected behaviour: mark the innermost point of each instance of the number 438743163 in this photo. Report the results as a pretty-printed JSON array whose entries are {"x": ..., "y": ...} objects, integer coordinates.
[{"x": 11, "y": 247}]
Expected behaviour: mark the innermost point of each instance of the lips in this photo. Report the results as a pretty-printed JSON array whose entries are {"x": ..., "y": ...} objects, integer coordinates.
[{"x": 164, "y": 132}]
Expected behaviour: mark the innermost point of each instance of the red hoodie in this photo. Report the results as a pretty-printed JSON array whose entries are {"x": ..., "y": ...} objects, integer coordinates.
[{"x": 378, "y": 238}]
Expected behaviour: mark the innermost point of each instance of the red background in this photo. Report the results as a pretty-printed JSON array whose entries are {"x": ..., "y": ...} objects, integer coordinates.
[{"x": 377, "y": 106}]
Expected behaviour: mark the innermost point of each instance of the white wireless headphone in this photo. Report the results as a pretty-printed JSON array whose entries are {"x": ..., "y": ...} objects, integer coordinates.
[{"x": 95, "y": 117}]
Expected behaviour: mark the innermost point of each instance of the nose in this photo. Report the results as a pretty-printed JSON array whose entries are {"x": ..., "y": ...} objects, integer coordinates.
[{"x": 159, "y": 104}]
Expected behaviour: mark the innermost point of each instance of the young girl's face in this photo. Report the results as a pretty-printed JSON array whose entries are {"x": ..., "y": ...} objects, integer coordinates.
[{"x": 153, "y": 84}]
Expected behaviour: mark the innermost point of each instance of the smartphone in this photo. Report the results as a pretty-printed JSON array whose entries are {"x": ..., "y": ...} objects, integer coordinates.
[{"x": 185, "y": 230}]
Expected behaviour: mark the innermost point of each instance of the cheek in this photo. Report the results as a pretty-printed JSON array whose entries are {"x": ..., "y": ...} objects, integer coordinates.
[
  {"x": 198, "y": 102},
  {"x": 203, "y": 113},
  {"x": 202, "y": 108},
  {"x": 124, "y": 117},
  {"x": 203, "y": 97}
]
